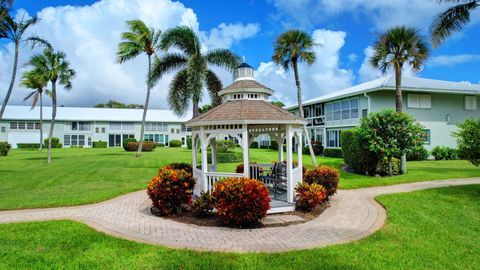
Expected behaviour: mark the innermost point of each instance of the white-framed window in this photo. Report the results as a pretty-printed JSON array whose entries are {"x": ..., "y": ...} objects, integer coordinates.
[
  {"x": 24, "y": 126},
  {"x": 81, "y": 126},
  {"x": 419, "y": 101},
  {"x": 115, "y": 126},
  {"x": 329, "y": 112},
  {"x": 158, "y": 138},
  {"x": 127, "y": 125},
  {"x": 3, "y": 129},
  {"x": 471, "y": 103},
  {"x": 427, "y": 137},
  {"x": 74, "y": 140},
  {"x": 342, "y": 109},
  {"x": 318, "y": 110},
  {"x": 156, "y": 126},
  {"x": 333, "y": 138},
  {"x": 66, "y": 140}
]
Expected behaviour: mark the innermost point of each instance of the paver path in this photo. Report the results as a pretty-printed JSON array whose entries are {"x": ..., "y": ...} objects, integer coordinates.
[{"x": 353, "y": 214}]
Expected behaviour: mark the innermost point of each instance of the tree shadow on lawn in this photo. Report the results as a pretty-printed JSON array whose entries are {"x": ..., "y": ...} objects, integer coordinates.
[{"x": 43, "y": 158}]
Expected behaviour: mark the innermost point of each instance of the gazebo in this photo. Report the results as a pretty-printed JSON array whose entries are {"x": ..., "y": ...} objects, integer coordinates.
[{"x": 246, "y": 113}]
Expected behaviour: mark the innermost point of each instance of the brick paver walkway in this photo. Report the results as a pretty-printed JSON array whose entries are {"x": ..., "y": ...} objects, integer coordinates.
[{"x": 354, "y": 214}]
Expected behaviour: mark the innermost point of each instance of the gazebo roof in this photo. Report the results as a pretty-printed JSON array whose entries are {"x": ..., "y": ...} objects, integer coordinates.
[
  {"x": 246, "y": 112},
  {"x": 246, "y": 86}
]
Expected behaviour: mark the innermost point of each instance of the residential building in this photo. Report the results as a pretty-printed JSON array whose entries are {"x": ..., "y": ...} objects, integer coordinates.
[
  {"x": 438, "y": 105},
  {"x": 76, "y": 126}
]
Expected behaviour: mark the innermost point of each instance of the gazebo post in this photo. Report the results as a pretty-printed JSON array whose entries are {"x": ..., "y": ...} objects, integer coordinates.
[
  {"x": 213, "y": 144},
  {"x": 203, "y": 145},
  {"x": 194, "y": 150},
  {"x": 245, "y": 146},
  {"x": 290, "y": 182},
  {"x": 279, "y": 141}
]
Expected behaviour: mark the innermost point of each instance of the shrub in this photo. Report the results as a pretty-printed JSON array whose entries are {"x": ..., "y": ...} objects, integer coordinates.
[
  {"x": 203, "y": 205},
  {"x": 241, "y": 202},
  {"x": 171, "y": 190},
  {"x": 273, "y": 145},
  {"x": 147, "y": 146},
  {"x": 240, "y": 169},
  {"x": 309, "y": 196},
  {"x": 175, "y": 143},
  {"x": 468, "y": 140},
  {"x": 126, "y": 141},
  {"x": 355, "y": 155},
  {"x": 28, "y": 145},
  {"x": 225, "y": 146},
  {"x": 444, "y": 153},
  {"x": 333, "y": 152},
  {"x": 160, "y": 144},
  {"x": 417, "y": 153},
  {"x": 99, "y": 144},
  {"x": 4, "y": 148},
  {"x": 382, "y": 167},
  {"x": 325, "y": 176},
  {"x": 232, "y": 157},
  {"x": 317, "y": 148},
  {"x": 254, "y": 145},
  {"x": 180, "y": 166},
  {"x": 189, "y": 142},
  {"x": 55, "y": 142},
  {"x": 76, "y": 146}
]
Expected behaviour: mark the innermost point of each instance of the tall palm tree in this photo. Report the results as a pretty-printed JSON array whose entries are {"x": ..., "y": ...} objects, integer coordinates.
[
  {"x": 140, "y": 39},
  {"x": 56, "y": 68},
  {"x": 5, "y": 6},
  {"x": 291, "y": 47},
  {"x": 193, "y": 71},
  {"x": 36, "y": 80},
  {"x": 14, "y": 31},
  {"x": 452, "y": 20},
  {"x": 399, "y": 46}
]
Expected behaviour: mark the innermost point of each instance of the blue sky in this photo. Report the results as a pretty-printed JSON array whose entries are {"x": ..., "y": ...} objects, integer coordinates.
[{"x": 344, "y": 28}]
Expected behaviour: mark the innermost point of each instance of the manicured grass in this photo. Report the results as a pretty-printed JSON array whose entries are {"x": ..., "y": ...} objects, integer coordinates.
[
  {"x": 82, "y": 176},
  {"x": 430, "y": 229}
]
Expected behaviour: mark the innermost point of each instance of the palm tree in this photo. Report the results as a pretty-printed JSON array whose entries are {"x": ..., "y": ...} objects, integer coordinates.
[
  {"x": 56, "y": 68},
  {"x": 290, "y": 48},
  {"x": 140, "y": 39},
  {"x": 36, "y": 80},
  {"x": 399, "y": 46},
  {"x": 14, "y": 31},
  {"x": 194, "y": 72},
  {"x": 452, "y": 20}
]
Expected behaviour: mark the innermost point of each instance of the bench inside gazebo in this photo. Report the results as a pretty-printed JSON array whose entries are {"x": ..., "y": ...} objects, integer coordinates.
[{"x": 245, "y": 114}]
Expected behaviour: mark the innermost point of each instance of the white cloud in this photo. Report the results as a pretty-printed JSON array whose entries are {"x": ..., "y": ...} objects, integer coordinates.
[
  {"x": 352, "y": 57},
  {"x": 89, "y": 36},
  {"x": 324, "y": 76},
  {"x": 452, "y": 60},
  {"x": 381, "y": 13}
]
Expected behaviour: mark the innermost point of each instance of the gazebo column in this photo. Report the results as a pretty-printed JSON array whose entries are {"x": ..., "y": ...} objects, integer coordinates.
[
  {"x": 279, "y": 140},
  {"x": 213, "y": 144},
  {"x": 194, "y": 150},
  {"x": 300, "y": 158},
  {"x": 203, "y": 146},
  {"x": 245, "y": 147},
  {"x": 290, "y": 181}
]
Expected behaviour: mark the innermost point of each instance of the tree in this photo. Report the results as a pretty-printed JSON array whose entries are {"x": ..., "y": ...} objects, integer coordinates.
[
  {"x": 278, "y": 103},
  {"x": 5, "y": 6},
  {"x": 118, "y": 105},
  {"x": 395, "y": 48},
  {"x": 56, "y": 68},
  {"x": 140, "y": 39},
  {"x": 193, "y": 71},
  {"x": 14, "y": 31},
  {"x": 205, "y": 108},
  {"x": 468, "y": 140},
  {"x": 290, "y": 48},
  {"x": 452, "y": 20},
  {"x": 390, "y": 134},
  {"x": 35, "y": 79}
]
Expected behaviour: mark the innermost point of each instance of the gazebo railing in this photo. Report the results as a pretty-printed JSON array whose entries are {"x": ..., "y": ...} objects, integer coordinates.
[
  {"x": 257, "y": 170},
  {"x": 213, "y": 177},
  {"x": 197, "y": 174}
]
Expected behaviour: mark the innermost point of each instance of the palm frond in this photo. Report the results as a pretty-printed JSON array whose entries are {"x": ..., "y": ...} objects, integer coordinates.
[
  {"x": 36, "y": 40},
  {"x": 214, "y": 85},
  {"x": 293, "y": 46},
  {"x": 223, "y": 58},
  {"x": 452, "y": 20},
  {"x": 139, "y": 39},
  {"x": 196, "y": 71},
  {"x": 178, "y": 94},
  {"x": 165, "y": 64},
  {"x": 181, "y": 37},
  {"x": 29, "y": 95}
]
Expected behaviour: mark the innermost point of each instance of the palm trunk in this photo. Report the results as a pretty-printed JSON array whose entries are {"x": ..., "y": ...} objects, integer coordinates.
[
  {"x": 195, "y": 107},
  {"x": 399, "y": 108},
  {"x": 41, "y": 122},
  {"x": 145, "y": 109},
  {"x": 300, "y": 108},
  {"x": 52, "y": 124},
  {"x": 12, "y": 81}
]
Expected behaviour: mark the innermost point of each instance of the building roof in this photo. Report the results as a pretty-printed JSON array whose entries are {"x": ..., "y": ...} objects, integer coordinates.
[
  {"x": 244, "y": 65},
  {"x": 408, "y": 84},
  {"x": 245, "y": 86},
  {"x": 246, "y": 112},
  {"x": 93, "y": 114}
]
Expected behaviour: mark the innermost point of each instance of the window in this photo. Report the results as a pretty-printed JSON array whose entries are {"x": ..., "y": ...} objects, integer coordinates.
[
  {"x": 13, "y": 125},
  {"x": 172, "y": 130},
  {"x": 158, "y": 138},
  {"x": 3, "y": 129},
  {"x": 354, "y": 108},
  {"x": 81, "y": 126},
  {"x": 178, "y": 130},
  {"x": 21, "y": 125},
  {"x": 333, "y": 138},
  {"x": 97, "y": 130},
  {"x": 184, "y": 128},
  {"x": 103, "y": 130},
  {"x": 364, "y": 113},
  {"x": 89, "y": 141},
  {"x": 306, "y": 112},
  {"x": 24, "y": 126},
  {"x": 75, "y": 140},
  {"x": 155, "y": 126},
  {"x": 346, "y": 109},
  {"x": 329, "y": 112},
  {"x": 470, "y": 103},
  {"x": 419, "y": 101},
  {"x": 318, "y": 110},
  {"x": 426, "y": 138},
  {"x": 66, "y": 140},
  {"x": 127, "y": 126},
  {"x": 115, "y": 126},
  {"x": 37, "y": 126},
  {"x": 337, "y": 110}
]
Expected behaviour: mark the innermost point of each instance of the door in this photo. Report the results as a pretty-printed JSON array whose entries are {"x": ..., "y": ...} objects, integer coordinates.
[{"x": 114, "y": 140}]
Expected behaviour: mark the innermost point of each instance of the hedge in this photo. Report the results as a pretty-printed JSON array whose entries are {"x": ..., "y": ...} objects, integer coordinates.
[
  {"x": 55, "y": 142},
  {"x": 333, "y": 152},
  {"x": 175, "y": 143},
  {"x": 126, "y": 141},
  {"x": 355, "y": 155},
  {"x": 189, "y": 142},
  {"x": 417, "y": 154},
  {"x": 99, "y": 144},
  {"x": 254, "y": 145},
  {"x": 231, "y": 157},
  {"x": 444, "y": 153},
  {"x": 28, "y": 145},
  {"x": 147, "y": 146}
]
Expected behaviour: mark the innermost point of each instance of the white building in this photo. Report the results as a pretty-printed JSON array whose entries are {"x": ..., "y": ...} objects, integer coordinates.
[{"x": 76, "y": 126}]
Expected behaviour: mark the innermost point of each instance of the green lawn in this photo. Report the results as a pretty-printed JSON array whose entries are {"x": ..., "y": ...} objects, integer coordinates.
[
  {"x": 81, "y": 176},
  {"x": 430, "y": 229}
]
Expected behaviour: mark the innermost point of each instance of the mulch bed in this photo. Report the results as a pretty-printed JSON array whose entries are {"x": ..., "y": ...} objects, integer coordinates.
[{"x": 212, "y": 220}]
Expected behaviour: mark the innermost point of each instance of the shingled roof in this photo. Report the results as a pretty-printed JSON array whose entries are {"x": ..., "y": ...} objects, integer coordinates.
[
  {"x": 246, "y": 84},
  {"x": 246, "y": 112}
]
